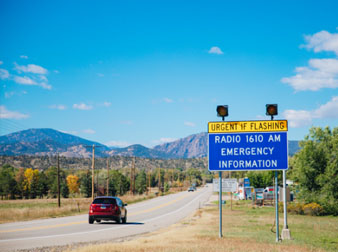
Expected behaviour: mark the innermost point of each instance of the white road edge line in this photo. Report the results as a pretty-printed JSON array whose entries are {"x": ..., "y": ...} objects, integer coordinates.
[{"x": 95, "y": 231}]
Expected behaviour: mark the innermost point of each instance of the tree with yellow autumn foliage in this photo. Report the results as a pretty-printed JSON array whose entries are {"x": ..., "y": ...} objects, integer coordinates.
[
  {"x": 31, "y": 183},
  {"x": 73, "y": 183}
]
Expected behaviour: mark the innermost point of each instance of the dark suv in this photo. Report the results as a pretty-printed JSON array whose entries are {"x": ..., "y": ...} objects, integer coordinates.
[{"x": 107, "y": 208}]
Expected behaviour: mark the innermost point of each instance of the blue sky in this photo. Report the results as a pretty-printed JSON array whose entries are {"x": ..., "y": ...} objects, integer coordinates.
[{"x": 147, "y": 72}]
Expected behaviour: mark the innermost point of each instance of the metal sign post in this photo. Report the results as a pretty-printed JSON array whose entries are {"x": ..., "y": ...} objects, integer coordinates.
[
  {"x": 276, "y": 198},
  {"x": 286, "y": 235},
  {"x": 220, "y": 204}
]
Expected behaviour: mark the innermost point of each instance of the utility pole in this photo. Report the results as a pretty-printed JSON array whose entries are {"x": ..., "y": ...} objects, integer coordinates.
[
  {"x": 149, "y": 174},
  {"x": 132, "y": 177},
  {"x": 58, "y": 172},
  {"x": 93, "y": 166},
  {"x": 159, "y": 180},
  {"x": 107, "y": 177}
]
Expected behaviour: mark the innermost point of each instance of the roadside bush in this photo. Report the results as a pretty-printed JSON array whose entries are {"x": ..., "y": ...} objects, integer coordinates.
[
  {"x": 166, "y": 187},
  {"x": 330, "y": 206},
  {"x": 295, "y": 208},
  {"x": 313, "y": 209}
]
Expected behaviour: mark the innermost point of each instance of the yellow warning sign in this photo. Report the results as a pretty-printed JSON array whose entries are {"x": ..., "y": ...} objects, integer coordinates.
[{"x": 248, "y": 126}]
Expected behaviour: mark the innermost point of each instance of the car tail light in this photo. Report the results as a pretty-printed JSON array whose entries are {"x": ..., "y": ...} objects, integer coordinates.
[
  {"x": 116, "y": 208},
  {"x": 92, "y": 208}
]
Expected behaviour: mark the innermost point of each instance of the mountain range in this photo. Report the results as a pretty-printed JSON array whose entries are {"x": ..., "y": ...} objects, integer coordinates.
[{"x": 41, "y": 142}]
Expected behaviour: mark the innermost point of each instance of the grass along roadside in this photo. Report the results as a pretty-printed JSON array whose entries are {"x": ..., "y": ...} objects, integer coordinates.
[
  {"x": 31, "y": 209},
  {"x": 244, "y": 229}
]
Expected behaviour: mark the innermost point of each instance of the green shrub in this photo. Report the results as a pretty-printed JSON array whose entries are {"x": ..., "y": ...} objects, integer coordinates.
[
  {"x": 295, "y": 208},
  {"x": 166, "y": 187},
  {"x": 313, "y": 209}
]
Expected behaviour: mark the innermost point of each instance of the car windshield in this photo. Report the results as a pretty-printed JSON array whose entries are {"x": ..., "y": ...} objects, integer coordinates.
[{"x": 104, "y": 201}]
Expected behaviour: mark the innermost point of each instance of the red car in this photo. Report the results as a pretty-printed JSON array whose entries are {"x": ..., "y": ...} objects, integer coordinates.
[{"x": 107, "y": 208}]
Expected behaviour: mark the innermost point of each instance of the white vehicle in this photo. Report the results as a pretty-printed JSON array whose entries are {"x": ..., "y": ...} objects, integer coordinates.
[{"x": 240, "y": 193}]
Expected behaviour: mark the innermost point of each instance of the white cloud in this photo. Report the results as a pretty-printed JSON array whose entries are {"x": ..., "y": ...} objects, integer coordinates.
[
  {"x": 24, "y": 80},
  {"x": 298, "y": 118},
  {"x": 322, "y": 41},
  {"x": 59, "y": 107},
  {"x": 89, "y": 131},
  {"x": 43, "y": 78},
  {"x": 45, "y": 85},
  {"x": 120, "y": 144},
  {"x": 6, "y": 114},
  {"x": 1, "y": 62},
  {"x": 10, "y": 94},
  {"x": 82, "y": 106},
  {"x": 167, "y": 139},
  {"x": 31, "y": 68},
  {"x": 163, "y": 140},
  {"x": 215, "y": 50},
  {"x": 100, "y": 74},
  {"x": 23, "y": 57},
  {"x": 107, "y": 104},
  {"x": 56, "y": 71},
  {"x": 321, "y": 73},
  {"x": 168, "y": 100},
  {"x": 189, "y": 124},
  {"x": 328, "y": 110},
  {"x": 301, "y": 118},
  {"x": 36, "y": 76},
  {"x": 4, "y": 74}
]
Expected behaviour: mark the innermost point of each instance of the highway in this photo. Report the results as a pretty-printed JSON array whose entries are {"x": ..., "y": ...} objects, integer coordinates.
[{"x": 143, "y": 217}]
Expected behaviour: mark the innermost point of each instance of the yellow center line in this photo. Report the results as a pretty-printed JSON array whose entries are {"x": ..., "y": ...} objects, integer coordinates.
[
  {"x": 159, "y": 206},
  {"x": 82, "y": 222},
  {"x": 42, "y": 227}
]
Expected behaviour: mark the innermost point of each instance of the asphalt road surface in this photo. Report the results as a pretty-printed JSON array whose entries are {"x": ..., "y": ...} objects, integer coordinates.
[{"x": 143, "y": 217}]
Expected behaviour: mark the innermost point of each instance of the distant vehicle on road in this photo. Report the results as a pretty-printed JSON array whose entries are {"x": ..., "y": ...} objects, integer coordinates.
[
  {"x": 191, "y": 189},
  {"x": 107, "y": 208},
  {"x": 269, "y": 193}
]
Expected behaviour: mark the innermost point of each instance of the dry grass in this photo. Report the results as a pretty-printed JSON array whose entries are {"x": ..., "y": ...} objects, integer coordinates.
[
  {"x": 199, "y": 233},
  {"x": 23, "y": 210}
]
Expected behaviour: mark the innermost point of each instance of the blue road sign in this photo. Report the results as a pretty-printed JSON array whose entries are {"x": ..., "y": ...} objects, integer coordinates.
[
  {"x": 248, "y": 151},
  {"x": 246, "y": 182}
]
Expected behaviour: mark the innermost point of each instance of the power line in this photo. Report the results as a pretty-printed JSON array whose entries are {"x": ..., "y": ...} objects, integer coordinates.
[{"x": 10, "y": 126}]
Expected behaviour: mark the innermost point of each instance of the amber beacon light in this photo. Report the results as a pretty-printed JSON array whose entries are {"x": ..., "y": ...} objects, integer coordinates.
[
  {"x": 222, "y": 111},
  {"x": 271, "y": 110}
]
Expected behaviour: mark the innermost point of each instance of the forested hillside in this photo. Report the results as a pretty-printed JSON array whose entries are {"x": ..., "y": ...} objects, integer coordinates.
[{"x": 115, "y": 162}]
